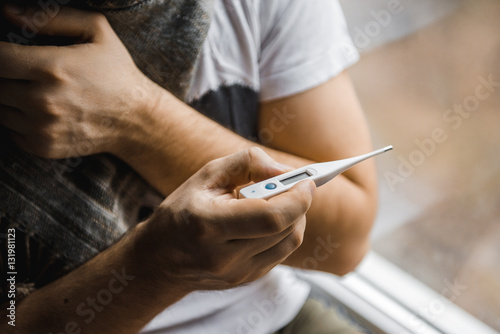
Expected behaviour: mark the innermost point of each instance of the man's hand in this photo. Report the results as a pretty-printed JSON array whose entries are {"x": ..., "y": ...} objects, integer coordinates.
[
  {"x": 203, "y": 238},
  {"x": 65, "y": 101},
  {"x": 200, "y": 238},
  {"x": 166, "y": 141}
]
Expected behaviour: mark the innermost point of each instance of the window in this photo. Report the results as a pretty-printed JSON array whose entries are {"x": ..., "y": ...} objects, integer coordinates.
[{"x": 429, "y": 82}]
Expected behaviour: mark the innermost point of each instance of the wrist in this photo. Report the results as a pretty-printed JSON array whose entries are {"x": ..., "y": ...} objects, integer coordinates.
[
  {"x": 135, "y": 125},
  {"x": 150, "y": 259}
]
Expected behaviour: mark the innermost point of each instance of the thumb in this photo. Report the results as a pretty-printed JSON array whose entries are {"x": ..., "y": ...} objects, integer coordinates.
[
  {"x": 261, "y": 166},
  {"x": 55, "y": 20},
  {"x": 240, "y": 168}
]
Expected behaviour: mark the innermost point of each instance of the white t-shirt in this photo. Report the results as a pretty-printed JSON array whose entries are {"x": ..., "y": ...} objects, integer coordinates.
[
  {"x": 277, "y": 47},
  {"x": 255, "y": 51}
]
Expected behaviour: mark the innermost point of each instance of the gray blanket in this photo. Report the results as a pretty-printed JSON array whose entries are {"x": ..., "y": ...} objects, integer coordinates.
[{"x": 67, "y": 211}]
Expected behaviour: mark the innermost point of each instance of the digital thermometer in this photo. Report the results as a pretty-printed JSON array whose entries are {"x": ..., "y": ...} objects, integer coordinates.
[{"x": 320, "y": 173}]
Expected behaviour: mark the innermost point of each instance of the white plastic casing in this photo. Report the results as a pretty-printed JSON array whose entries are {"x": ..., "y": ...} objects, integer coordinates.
[{"x": 320, "y": 173}]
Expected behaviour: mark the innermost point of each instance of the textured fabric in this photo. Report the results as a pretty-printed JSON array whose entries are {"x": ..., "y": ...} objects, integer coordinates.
[
  {"x": 258, "y": 51},
  {"x": 277, "y": 48},
  {"x": 69, "y": 210},
  {"x": 114, "y": 4},
  {"x": 316, "y": 318},
  {"x": 236, "y": 107},
  {"x": 260, "y": 307},
  {"x": 164, "y": 38}
]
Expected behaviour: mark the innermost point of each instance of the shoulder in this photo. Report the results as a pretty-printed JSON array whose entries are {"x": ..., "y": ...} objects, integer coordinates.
[
  {"x": 263, "y": 25},
  {"x": 264, "y": 15},
  {"x": 276, "y": 47}
]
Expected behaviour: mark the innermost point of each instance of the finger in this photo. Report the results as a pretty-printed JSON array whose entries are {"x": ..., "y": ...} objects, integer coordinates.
[
  {"x": 240, "y": 168},
  {"x": 256, "y": 246},
  {"x": 271, "y": 257},
  {"x": 262, "y": 166},
  {"x": 12, "y": 119},
  {"x": 13, "y": 93},
  {"x": 56, "y": 20},
  {"x": 20, "y": 62},
  {"x": 296, "y": 201},
  {"x": 256, "y": 218}
]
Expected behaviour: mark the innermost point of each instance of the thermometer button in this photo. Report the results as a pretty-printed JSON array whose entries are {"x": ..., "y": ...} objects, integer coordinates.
[
  {"x": 270, "y": 186},
  {"x": 311, "y": 171}
]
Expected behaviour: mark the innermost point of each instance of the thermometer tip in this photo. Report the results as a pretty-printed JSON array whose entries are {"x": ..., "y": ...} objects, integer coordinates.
[{"x": 388, "y": 148}]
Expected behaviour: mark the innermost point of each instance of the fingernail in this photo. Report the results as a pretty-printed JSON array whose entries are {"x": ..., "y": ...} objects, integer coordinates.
[{"x": 14, "y": 9}]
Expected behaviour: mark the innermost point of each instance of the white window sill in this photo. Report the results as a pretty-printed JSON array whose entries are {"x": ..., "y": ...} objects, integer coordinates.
[{"x": 386, "y": 299}]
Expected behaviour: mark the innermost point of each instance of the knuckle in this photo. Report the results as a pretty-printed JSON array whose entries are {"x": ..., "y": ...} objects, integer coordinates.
[
  {"x": 209, "y": 165},
  {"x": 254, "y": 152},
  {"x": 99, "y": 21},
  {"x": 301, "y": 201},
  {"x": 275, "y": 221},
  {"x": 53, "y": 70},
  {"x": 99, "y": 25},
  {"x": 215, "y": 267},
  {"x": 47, "y": 136},
  {"x": 304, "y": 203},
  {"x": 210, "y": 169},
  {"x": 296, "y": 238},
  {"x": 48, "y": 104}
]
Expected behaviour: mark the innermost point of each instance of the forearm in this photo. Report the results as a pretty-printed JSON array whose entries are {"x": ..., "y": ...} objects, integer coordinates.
[
  {"x": 172, "y": 141},
  {"x": 337, "y": 241},
  {"x": 112, "y": 293}
]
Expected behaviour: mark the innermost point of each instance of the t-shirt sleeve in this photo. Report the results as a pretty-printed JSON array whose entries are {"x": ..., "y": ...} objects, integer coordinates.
[{"x": 303, "y": 44}]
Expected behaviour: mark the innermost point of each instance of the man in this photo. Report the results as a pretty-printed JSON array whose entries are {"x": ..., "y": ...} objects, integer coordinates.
[{"x": 255, "y": 52}]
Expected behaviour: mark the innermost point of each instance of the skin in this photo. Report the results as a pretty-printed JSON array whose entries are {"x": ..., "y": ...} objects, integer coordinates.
[
  {"x": 54, "y": 98},
  {"x": 201, "y": 238}
]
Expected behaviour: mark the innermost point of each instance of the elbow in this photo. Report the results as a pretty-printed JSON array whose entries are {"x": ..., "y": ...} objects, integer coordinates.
[
  {"x": 347, "y": 228},
  {"x": 351, "y": 258},
  {"x": 347, "y": 258},
  {"x": 356, "y": 245}
]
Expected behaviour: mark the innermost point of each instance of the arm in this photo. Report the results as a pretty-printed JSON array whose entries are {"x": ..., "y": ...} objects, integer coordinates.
[
  {"x": 166, "y": 141},
  {"x": 71, "y": 303},
  {"x": 165, "y": 258},
  {"x": 325, "y": 123}
]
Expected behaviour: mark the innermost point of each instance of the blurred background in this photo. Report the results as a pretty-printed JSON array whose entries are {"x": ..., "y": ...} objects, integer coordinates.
[{"x": 429, "y": 82}]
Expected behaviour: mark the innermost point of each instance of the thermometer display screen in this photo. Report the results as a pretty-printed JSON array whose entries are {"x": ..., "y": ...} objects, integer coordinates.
[{"x": 295, "y": 178}]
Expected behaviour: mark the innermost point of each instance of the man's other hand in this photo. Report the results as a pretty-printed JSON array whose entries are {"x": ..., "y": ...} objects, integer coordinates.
[{"x": 74, "y": 100}]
